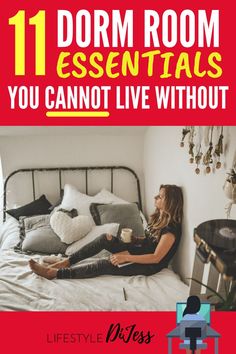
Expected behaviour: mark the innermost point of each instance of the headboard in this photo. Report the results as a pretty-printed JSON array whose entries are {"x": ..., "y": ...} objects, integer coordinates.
[{"x": 59, "y": 170}]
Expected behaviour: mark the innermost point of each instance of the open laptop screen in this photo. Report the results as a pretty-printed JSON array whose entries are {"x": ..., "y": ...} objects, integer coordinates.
[{"x": 205, "y": 311}]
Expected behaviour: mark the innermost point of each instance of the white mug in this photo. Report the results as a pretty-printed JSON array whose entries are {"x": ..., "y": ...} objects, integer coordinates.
[{"x": 126, "y": 235}]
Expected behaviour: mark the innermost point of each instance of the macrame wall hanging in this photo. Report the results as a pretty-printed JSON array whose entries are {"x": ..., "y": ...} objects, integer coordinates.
[{"x": 211, "y": 157}]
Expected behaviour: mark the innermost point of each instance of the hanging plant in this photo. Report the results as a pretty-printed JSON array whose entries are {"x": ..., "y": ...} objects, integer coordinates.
[
  {"x": 191, "y": 145},
  {"x": 207, "y": 158},
  {"x": 185, "y": 131},
  {"x": 198, "y": 158},
  {"x": 219, "y": 149},
  {"x": 199, "y": 153},
  {"x": 197, "y": 137}
]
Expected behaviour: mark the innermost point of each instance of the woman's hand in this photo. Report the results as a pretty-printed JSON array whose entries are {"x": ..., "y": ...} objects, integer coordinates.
[{"x": 118, "y": 259}]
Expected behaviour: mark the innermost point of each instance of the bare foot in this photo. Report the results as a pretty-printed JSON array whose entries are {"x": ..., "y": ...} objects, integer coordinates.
[
  {"x": 49, "y": 273},
  {"x": 65, "y": 263}
]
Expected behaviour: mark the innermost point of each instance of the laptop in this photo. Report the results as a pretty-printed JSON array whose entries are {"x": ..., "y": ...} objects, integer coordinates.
[{"x": 205, "y": 311}]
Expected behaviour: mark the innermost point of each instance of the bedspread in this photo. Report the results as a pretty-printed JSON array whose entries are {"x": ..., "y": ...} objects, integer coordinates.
[{"x": 22, "y": 290}]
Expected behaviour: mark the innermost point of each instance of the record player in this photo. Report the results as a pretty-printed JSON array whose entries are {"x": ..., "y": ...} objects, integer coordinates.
[{"x": 216, "y": 243}]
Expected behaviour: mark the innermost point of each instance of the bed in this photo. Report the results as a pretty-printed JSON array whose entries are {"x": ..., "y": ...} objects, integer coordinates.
[{"x": 22, "y": 290}]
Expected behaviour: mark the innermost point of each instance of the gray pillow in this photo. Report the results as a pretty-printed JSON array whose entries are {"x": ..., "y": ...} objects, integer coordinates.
[
  {"x": 37, "y": 236},
  {"x": 127, "y": 215}
]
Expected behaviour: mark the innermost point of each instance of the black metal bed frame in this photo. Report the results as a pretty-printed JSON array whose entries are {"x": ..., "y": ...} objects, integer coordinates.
[{"x": 86, "y": 169}]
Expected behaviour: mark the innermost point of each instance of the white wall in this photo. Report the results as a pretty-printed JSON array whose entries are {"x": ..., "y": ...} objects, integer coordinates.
[
  {"x": 84, "y": 149},
  {"x": 154, "y": 152},
  {"x": 165, "y": 162}
]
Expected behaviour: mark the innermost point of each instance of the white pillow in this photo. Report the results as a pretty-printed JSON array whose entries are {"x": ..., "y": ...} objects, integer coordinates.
[
  {"x": 106, "y": 197},
  {"x": 81, "y": 202},
  {"x": 74, "y": 199},
  {"x": 94, "y": 233},
  {"x": 70, "y": 229}
]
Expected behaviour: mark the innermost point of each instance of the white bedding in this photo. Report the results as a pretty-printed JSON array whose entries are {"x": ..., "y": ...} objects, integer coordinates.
[{"x": 22, "y": 290}]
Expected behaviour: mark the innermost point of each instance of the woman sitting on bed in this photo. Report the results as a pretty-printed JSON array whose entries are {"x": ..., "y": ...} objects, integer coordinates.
[{"x": 148, "y": 255}]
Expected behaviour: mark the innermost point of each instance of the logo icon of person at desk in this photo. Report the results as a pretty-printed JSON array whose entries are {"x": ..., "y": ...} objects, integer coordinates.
[{"x": 193, "y": 326}]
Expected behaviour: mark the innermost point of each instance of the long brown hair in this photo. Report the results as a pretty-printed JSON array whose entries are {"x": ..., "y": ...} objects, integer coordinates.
[{"x": 173, "y": 209}]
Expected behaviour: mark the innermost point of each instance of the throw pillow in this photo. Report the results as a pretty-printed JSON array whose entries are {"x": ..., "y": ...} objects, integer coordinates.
[
  {"x": 37, "y": 236},
  {"x": 106, "y": 197},
  {"x": 74, "y": 199},
  {"x": 70, "y": 229},
  {"x": 39, "y": 206},
  {"x": 127, "y": 215}
]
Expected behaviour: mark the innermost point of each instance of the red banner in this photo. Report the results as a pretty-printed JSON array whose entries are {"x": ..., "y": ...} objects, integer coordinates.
[
  {"x": 110, "y": 332},
  {"x": 119, "y": 63}
]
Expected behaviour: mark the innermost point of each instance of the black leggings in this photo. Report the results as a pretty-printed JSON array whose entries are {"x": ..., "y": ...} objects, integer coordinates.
[{"x": 104, "y": 266}]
